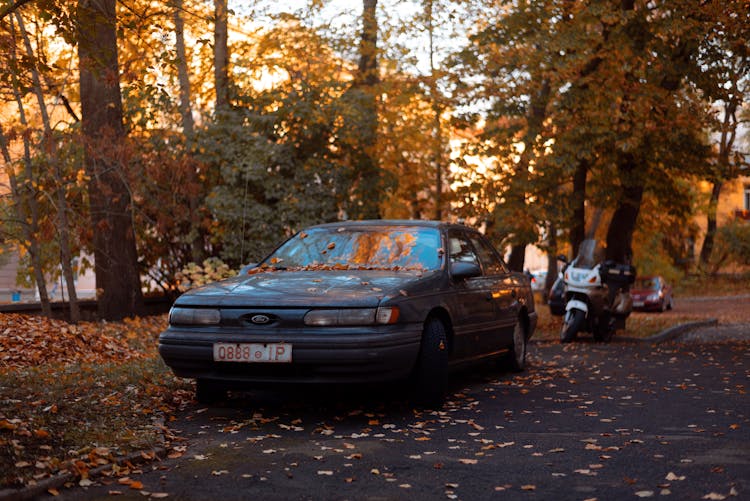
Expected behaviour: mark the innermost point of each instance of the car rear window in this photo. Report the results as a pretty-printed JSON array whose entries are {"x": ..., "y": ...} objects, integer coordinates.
[{"x": 360, "y": 247}]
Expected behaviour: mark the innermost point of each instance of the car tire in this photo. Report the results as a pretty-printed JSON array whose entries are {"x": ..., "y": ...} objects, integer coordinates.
[
  {"x": 571, "y": 325},
  {"x": 517, "y": 355},
  {"x": 208, "y": 392},
  {"x": 431, "y": 371}
]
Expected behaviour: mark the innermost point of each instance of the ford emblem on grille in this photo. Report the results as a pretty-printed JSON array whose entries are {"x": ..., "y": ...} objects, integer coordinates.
[{"x": 260, "y": 319}]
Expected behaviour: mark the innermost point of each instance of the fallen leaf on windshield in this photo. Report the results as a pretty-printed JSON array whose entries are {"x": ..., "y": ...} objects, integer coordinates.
[{"x": 331, "y": 246}]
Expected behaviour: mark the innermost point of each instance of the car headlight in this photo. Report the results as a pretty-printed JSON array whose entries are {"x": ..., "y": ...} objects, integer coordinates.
[
  {"x": 352, "y": 316},
  {"x": 194, "y": 316}
]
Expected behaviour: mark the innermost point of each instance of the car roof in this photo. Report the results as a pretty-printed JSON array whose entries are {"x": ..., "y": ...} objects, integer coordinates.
[{"x": 393, "y": 222}]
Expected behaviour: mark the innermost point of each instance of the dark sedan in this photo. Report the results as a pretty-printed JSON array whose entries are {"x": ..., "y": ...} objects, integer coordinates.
[
  {"x": 652, "y": 293},
  {"x": 364, "y": 301}
]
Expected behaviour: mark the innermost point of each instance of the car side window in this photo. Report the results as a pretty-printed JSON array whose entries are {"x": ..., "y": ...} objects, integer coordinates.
[
  {"x": 492, "y": 264},
  {"x": 460, "y": 249}
]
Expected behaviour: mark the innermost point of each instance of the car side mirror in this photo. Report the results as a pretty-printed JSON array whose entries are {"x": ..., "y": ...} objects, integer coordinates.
[{"x": 462, "y": 271}]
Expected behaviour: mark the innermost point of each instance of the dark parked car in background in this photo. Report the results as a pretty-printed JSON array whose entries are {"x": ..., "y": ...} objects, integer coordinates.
[
  {"x": 652, "y": 294},
  {"x": 355, "y": 302}
]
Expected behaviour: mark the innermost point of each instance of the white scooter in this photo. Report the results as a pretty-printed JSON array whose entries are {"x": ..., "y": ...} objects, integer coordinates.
[{"x": 597, "y": 295}]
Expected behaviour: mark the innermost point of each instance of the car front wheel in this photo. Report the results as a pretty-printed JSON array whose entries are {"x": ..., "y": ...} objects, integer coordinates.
[{"x": 431, "y": 371}]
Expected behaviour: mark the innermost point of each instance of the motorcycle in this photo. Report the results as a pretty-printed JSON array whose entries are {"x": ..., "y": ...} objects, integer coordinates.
[{"x": 597, "y": 294}]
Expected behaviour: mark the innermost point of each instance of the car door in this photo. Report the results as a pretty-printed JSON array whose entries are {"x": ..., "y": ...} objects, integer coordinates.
[
  {"x": 503, "y": 289},
  {"x": 475, "y": 317}
]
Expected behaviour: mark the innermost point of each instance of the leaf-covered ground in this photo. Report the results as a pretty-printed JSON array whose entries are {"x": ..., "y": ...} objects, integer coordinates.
[{"x": 73, "y": 398}]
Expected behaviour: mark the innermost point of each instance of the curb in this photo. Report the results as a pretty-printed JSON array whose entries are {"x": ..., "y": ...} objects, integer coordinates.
[
  {"x": 41, "y": 487},
  {"x": 674, "y": 332}
]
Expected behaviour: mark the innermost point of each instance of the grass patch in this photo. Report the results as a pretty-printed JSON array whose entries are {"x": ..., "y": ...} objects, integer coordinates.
[{"x": 713, "y": 286}]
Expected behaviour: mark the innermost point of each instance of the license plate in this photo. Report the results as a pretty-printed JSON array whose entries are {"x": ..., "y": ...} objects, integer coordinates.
[
  {"x": 253, "y": 352},
  {"x": 637, "y": 304}
]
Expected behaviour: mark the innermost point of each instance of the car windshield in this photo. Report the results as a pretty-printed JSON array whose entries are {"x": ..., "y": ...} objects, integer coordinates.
[
  {"x": 647, "y": 284},
  {"x": 360, "y": 247}
]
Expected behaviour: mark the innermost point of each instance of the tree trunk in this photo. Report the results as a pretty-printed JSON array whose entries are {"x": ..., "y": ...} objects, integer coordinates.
[
  {"x": 369, "y": 183},
  {"x": 182, "y": 72},
  {"x": 26, "y": 196},
  {"x": 519, "y": 184},
  {"x": 578, "y": 223},
  {"x": 551, "y": 260},
  {"x": 186, "y": 112},
  {"x": 438, "y": 154},
  {"x": 221, "y": 55},
  {"x": 49, "y": 147},
  {"x": 368, "y": 46},
  {"x": 726, "y": 144},
  {"x": 711, "y": 225},
  {"x": 517, "y": 257},
  {"x": 622, "y": 226},
  {"x": 116, "y": 261}
]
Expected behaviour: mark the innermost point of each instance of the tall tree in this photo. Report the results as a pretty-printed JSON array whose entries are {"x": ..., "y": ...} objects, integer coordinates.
[
  {"x": 725, "y": 56},
  {"x": 50, "y": 153},
  {"x": 116, "y": 262},
  {"x": 662, "y": 55},
  {"x": 438, "y": 153},
  {"x": 25, "y": 193},
  {"x": 186, "y": 111},
  {"x": 221, "y": 55},
  {"x": 368, "y": 183}
]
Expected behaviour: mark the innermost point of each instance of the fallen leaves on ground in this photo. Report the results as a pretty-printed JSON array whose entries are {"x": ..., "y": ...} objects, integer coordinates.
[
  {"x": 78, "y": 397},
  {"x": 28, "y": 341}
]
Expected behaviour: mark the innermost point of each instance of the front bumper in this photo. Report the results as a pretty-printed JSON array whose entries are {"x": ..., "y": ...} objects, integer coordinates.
[
  {"x": 644, "y": 305},
  {"x": 319, "y": 355}
]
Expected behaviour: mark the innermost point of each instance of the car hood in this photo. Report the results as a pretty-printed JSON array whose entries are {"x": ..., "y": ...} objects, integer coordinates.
[{"x": 306, "y": 289}]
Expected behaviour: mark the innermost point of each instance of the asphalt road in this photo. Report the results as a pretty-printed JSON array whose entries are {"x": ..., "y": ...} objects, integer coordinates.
[{"x": 585, "y": 421}]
